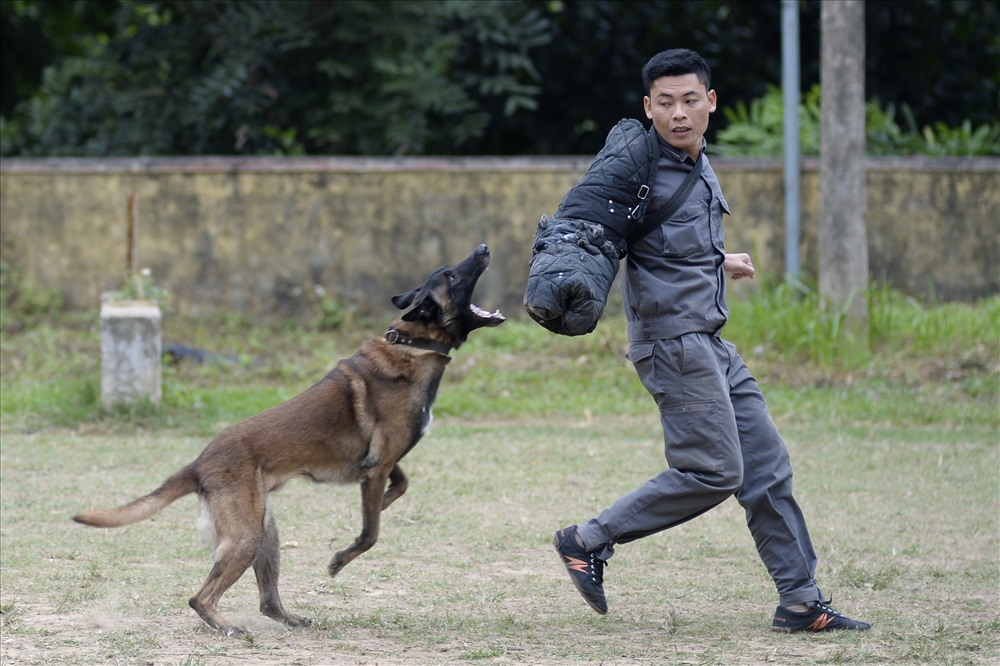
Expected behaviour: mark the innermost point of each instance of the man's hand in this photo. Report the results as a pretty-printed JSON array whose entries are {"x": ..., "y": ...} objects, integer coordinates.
[{"x": 738, "y": 266}]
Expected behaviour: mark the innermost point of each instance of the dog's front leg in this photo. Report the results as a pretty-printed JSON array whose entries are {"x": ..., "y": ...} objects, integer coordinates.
[
  {"x": 397, "y": 486},
  {"x": 372, "y": 490}
]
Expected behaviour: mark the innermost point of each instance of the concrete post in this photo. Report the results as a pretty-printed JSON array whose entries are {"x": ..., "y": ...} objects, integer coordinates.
[{"x": 131, "y": 350}]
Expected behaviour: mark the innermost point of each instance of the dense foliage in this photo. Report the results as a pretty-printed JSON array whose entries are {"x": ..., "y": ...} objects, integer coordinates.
[
  {"x": 359, "y": 77},
  {"x": 757, "y": 129},
  {"x": 196, "y": 77}
]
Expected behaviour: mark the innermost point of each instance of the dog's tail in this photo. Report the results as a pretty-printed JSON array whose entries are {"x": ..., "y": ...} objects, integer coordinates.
[{"x": 178, "y": 485}]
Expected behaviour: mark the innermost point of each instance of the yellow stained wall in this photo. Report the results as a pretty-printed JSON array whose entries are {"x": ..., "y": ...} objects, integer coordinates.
[{"x": 267, "y": 236}]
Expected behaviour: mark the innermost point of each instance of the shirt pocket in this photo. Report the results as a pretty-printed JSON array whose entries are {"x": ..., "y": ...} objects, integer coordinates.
[
  {"x": 687, "y": 232},
  {"x": 725, "y": 204}
]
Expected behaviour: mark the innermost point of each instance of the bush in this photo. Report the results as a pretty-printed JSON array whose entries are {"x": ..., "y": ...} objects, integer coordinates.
[
  {"x": 757, "y": 130},
  {"x": 22, "y": 303}
]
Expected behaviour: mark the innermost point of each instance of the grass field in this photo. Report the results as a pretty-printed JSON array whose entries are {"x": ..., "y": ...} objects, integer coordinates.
[{"x": 896, "y": 456}]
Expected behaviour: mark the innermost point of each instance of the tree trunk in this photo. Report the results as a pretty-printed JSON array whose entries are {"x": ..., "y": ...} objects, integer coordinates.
[{"x": 843, "y": 246}]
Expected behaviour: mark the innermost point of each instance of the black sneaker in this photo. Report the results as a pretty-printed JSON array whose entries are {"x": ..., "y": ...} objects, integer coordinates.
[
  {"x": 585, "y": 569},
  {"x": 819, "y": 617}
]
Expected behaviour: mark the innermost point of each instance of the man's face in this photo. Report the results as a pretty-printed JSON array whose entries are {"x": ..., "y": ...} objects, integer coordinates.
[{"x": 679, "y": 107}]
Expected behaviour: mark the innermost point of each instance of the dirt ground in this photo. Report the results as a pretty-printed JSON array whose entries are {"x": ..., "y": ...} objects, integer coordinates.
[{"x": 106, "y": 634}]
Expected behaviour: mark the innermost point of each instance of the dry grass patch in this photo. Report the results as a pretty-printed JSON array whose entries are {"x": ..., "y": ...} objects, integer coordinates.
[{"x": 905, "y": 521}]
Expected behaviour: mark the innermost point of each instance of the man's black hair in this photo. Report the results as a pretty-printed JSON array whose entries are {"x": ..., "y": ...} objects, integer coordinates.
[{"x": 676, "y": 62}]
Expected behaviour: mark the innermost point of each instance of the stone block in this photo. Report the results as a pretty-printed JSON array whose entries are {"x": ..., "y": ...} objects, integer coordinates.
[{"x": 131, "y": 353}]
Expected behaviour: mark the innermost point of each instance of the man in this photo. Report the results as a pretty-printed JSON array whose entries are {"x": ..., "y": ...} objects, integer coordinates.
[{"x": 718, "y": 435}]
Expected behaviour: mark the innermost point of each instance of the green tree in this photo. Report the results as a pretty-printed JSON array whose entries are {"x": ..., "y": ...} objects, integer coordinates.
[
  {"x": 33, "y": 35},
  {"x": 379, "y": 77},
  {"x": 227, "y": 77}
]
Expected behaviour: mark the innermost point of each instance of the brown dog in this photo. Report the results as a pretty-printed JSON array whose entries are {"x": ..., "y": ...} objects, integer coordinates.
[{"x": 351, "y": 427}]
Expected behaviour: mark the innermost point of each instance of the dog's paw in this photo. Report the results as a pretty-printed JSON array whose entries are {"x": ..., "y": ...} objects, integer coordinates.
[
  {"x": 334, "y": 567},
  {"x": 369, "y": 461},
  {"x": 293, "y": 620},
  {"x": 236, "y": 631},
  {"x": 299, "y": 621},
  {"x": 279, "y": 614}
]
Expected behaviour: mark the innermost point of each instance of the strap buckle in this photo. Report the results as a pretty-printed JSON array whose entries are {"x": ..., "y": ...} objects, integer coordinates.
[{"x": 633, "y": 213}]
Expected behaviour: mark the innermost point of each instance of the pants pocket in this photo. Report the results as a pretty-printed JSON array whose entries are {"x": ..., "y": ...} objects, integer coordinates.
[{"x": 693, "y": 439}]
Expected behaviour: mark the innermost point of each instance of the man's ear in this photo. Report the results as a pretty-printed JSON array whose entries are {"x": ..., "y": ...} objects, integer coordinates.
[{"x": 425, "y": 310}]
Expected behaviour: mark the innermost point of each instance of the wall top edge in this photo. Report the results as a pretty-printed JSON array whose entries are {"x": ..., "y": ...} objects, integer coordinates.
[
  {"x": 221, "y": 164},
  {"x": 570, "y": 163}
]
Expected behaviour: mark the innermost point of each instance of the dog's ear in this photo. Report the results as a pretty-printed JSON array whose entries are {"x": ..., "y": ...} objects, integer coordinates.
[
  {"x": 403, "y": 300},
  {"x": 425, "y": 310}
]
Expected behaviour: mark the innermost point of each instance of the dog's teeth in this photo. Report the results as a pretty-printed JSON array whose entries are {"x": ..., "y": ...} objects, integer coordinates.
[{"x": 479, "y": 312}]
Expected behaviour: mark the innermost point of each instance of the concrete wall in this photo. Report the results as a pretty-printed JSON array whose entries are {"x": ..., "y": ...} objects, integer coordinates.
[{"x": 259, "y": 235}]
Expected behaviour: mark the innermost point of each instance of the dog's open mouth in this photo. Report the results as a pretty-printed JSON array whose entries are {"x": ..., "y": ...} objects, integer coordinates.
[{"x": 494, "y": 318}]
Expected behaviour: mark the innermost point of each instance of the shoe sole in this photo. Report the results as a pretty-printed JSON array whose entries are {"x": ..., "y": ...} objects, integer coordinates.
[
  {"x": 562, "y": 561},
  {"x": 783, "y": 630},
  {"x": 807, "y": 630}
]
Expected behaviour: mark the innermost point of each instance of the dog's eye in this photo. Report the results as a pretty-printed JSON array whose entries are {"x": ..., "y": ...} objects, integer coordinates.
[{"x": 449, "y": 276}]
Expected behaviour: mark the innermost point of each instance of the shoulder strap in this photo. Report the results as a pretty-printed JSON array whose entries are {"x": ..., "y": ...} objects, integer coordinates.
[{"x": 663, "y": 213}]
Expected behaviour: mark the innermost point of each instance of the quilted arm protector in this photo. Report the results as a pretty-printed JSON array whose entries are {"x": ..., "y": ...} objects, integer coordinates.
[
  {"x": 576, "y": 254},
  {"x": 573, "y": 266}
]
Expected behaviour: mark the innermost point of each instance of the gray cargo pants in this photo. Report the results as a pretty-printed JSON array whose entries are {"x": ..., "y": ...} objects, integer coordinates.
[{"x": 719, "y": 439}]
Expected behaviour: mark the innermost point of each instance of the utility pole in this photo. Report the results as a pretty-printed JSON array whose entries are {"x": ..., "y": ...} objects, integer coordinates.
[{"x": 792, "y": 161}]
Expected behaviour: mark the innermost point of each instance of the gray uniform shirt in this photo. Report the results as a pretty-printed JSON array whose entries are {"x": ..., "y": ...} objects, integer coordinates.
[{"x": 674, "y": 283}]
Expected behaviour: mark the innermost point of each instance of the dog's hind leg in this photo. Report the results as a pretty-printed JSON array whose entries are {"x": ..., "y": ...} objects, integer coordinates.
[
  {"x": 374, "y": 456},
  {"x": 372, "y": 491},
  {"x": 239, "y": 523},
  {"x": 266, "y": 568},
  {"x": 397, "y": 486}
]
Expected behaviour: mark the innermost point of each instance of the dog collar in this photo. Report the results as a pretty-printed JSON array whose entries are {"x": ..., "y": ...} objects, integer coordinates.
[{"x": 394, "y": 337}]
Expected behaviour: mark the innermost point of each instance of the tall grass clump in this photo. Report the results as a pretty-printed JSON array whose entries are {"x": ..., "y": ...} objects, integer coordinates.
[
  {"x": 896, "y": 320},
  {"x": 947, "y": 352},
  {"x": 790, "y": 323}
]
